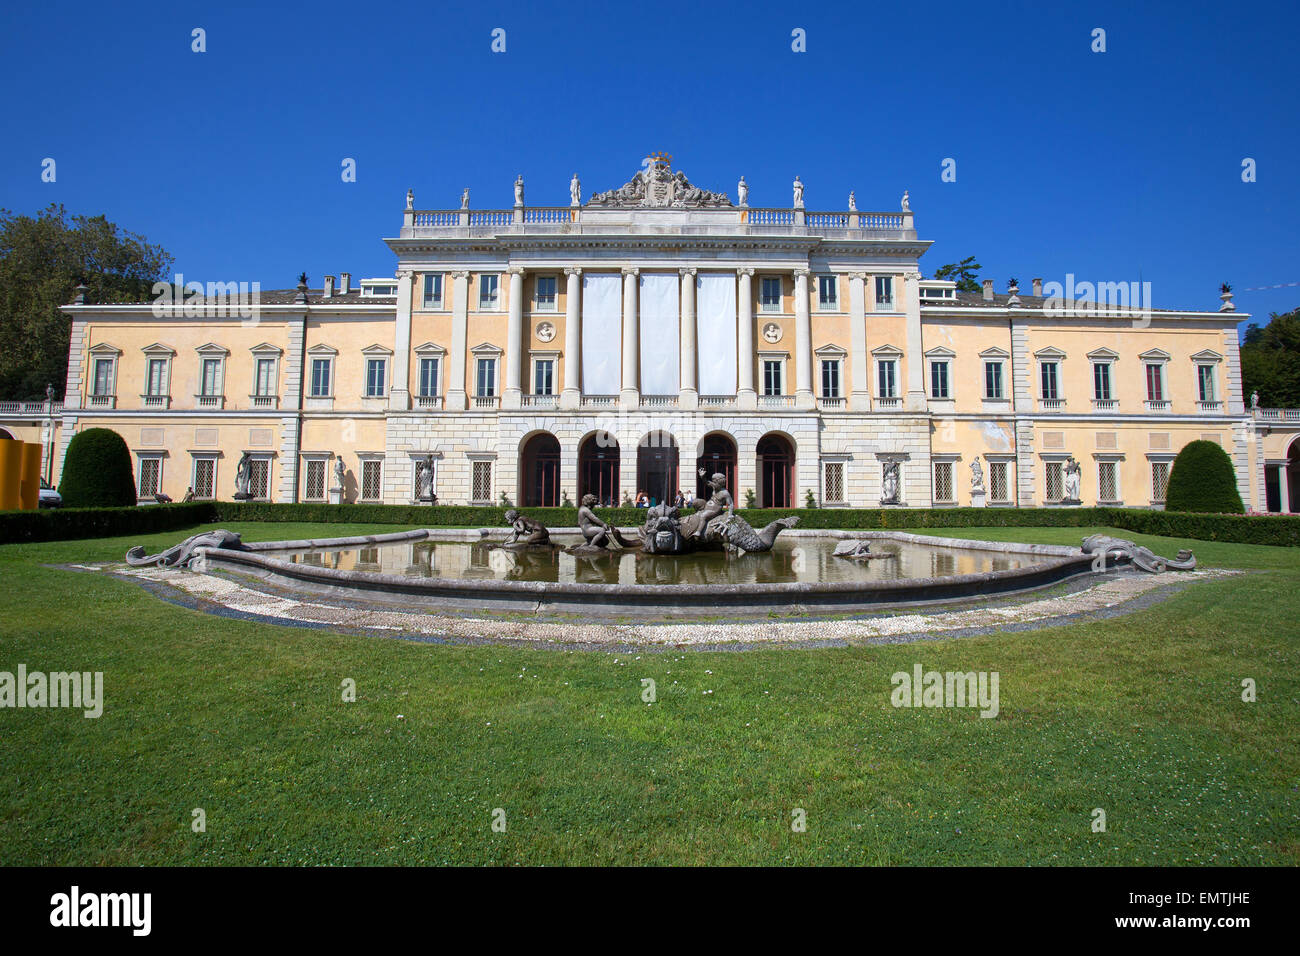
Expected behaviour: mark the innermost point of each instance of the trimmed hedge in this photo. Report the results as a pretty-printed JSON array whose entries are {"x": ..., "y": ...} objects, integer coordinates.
[
  {"x": 70, "y": 523},
  {"x": 1202, "y": 480},
  {"x": 97, "y": 471}
]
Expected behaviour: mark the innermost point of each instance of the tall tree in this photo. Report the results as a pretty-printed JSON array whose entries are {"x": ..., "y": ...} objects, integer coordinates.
[
  {"x": 1270, "y": 361},
  {"x": 42, "y": 259},
  {"x": 966, "y": 274}
]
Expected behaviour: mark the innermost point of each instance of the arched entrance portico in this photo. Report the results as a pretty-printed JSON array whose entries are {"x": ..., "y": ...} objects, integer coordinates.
[
  {"x": 657, "y": 466},
  {"x": 539, "y": 472},
  {"x": 775, "y": 469},
  {"x": 598, "y": 463},
  {"x": 717, "y": 456}
]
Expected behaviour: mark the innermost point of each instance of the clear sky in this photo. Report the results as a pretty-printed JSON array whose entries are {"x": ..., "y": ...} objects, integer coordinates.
[{"x": 1117, "y": 166}]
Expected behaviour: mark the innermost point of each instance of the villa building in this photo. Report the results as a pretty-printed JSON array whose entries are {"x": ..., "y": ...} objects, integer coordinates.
[{"x": 652, "y": 335}]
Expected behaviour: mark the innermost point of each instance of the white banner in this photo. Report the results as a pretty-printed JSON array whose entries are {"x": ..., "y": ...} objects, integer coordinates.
[
  {"x": 715, "y": 309},
  {"x": 660, "y": 335},
  {"x": 602, "y": 333}
]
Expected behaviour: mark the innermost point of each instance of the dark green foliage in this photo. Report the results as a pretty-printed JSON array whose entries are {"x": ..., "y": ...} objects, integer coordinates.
[
  {"x": 1202, "y": 480},
  {"x": 97, "y": 472},
  {"x": 964, "y": 273},
  {"x": 1270, "y": 361},
  {"x": 69, "y": 524}
]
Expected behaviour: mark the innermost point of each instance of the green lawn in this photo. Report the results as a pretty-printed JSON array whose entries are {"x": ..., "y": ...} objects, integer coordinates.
[{"x": 1141, "y": 716}]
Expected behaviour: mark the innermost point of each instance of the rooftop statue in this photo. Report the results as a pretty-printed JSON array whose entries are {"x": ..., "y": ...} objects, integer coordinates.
[
  {"x": 657, "y": 186},
  {"x": 575, "y": 190},
  {"x": 798, "y": 192}
]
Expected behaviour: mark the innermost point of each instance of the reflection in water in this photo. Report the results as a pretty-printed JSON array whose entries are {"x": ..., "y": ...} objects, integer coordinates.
[{"x": 791, "y": 560}]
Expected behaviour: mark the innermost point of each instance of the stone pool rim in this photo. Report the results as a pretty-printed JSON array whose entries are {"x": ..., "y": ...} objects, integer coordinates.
[{"x": 1060, "y": 564}]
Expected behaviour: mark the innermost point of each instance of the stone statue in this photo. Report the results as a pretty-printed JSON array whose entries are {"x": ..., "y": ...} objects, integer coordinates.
[
  {"x": 532, "y": 532},
  {"x": 853, "y": 201},
  {"x": 575, "y": 191},
  {"x": 244, "y": 478},
  {"x": 1072, "y": 480},
  {"x": 657, "y": 186},
  {"x": 798, "y": 193},
  {"x": 976, "y": 475},
  {"x": 742, "y": 192},
  {"x": 339, "y": 472},
  {"x": 598, "y": 535},
  {"x": 424, "y": 479},
  {"x": 889, "y": 483},
  {"x": 49, "y": 394},
  {"x": 519, "y": 190},
  {"x": 714, "y": 525},
  {"x": 1254, "y": 397},
  {"x": 180, "y": 555},
  {"x": 464, "y": 199},
  {"x": 1104, "y": 546},
  {"x": 410, "y": 199},
  {"x": 859, "y": 549},
  {"x": 907, "y": 206}
]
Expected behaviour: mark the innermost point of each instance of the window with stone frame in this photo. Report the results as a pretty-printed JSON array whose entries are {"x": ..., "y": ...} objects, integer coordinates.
[
  {"x": 1055, "y": 480},
  {"x": 831, "y": 378},
  {"x": 545, "y": 294},
  {"x": 939, "y": 385},
  {"x": 884, "y": 293},
  {"x": 372, "y": 477},
  {"x": 833, "y": 482},
  {"x": 769, "y": 294},
  {"x": 376, "y": 373},
  {"x": 204, "y": 484},
  {"x": 481, "y": 481},
  {"x": 944, "y": 487},
  {"x": 1107, "y": 481},
  {"x": 1050, "y": 381},
  {"x": 150, "y": 476},
  {"x": 887, "y": 378},
  {"x": 489, "y": 293},
  {"x": 259, "y": 479},
  {"x": 103, "y": 382},
  {"x": 828, "y": 297},
  {"x": 1159, "y": 480},
  {"x": 999, "y": 487},
  {"x": 314, "y": 483},
  {"x": 993, "y": 381},
  {"x": 433, "y": 290}
]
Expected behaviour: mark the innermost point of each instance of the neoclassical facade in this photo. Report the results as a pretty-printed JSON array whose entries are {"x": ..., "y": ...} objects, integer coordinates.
[{"x": 653, "y": 334}]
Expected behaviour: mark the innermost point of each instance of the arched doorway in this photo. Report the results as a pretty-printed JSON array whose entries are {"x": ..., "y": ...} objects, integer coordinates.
[
  {"x": 717, "y": 456},
  {"x": 5, "y": 436},
  {"x": 539, "y": 472},
  {"x": 657, "y": 466},
  {"x": 775, "y": 472},
  {"x": 598, "y": 460}
]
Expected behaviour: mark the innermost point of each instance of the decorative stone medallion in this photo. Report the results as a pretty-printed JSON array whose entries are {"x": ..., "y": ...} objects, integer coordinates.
[
  {"x": 772, "y": 333},
  {"x": 545, "y": 331}
]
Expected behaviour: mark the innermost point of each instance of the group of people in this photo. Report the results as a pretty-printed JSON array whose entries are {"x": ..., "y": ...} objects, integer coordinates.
[{"x": 645, "y": 501}]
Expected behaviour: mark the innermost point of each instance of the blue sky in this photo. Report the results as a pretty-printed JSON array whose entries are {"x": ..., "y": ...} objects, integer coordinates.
[{"x": 1114, "y": 166}]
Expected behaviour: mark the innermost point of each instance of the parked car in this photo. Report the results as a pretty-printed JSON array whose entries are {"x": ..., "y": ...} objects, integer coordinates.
[{"x": 49, "y": 498}]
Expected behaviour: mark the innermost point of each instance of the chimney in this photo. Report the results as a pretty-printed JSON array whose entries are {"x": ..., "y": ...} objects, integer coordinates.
[
  {"x": 1038, "y": 287},
  {"x": 345, "y": 283},
  {"x": 988, "y": 290},
  {"x": 328, "y": 290}
]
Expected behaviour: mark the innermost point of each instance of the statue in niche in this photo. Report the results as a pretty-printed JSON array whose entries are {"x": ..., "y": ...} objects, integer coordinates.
[
  {"x": 889, "y": 483},
  {"x": 424, "y": 481}
]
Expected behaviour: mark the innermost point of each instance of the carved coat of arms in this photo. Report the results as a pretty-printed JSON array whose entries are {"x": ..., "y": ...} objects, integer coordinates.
[{"x": 658, "y": 186}]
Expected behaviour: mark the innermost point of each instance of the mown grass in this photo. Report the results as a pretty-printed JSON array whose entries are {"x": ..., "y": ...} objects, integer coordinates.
[{"x": 1139, "y": 715}]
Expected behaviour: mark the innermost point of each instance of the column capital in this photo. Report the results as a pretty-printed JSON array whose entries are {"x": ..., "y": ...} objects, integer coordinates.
[
  {"x": 573, "y": 270},
  {"x": 405, "y": 274},
  {"x": 515, "y": 270},
  {"x": 745, "y": 271},
  {"x": 858, "y": 275},
  {"x": 631, "y": 270},
  {"x": 688, "y": 271},
  {"x": 460, "y": 274},
  {"x": 802, "y": 273}
]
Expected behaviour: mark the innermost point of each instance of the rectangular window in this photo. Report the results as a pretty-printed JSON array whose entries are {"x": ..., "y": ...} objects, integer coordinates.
[
  {"x": 833, "y": 483},
  {"x": 939, "y": 380},
  {"x": 157, "y": 377},
  {"x": 998, "y": 485},
  {"x": 1050, "y": 381},
  {"x": 211, "y": 385},
  {"x": 770, "y": 293},
  {"x": 320, "y": 378},
  {"x": 150, "y": 477},
  {"x": 1155, "y": 382},
  {"x": 375, "y": 373},
  {"x": 266, "y": 377},
  {"x": 488, "y": 293},
  {"x": 103, "y": 377},
  {"x": 259, "y": 479},
  {"x": 884, "y": 293},
  {"x": 828, "y": 292},
  {"x": 433, "y": 290},
  {"x": 546, "y": 294},
  {"x": 1101, "y": 381},
  {"x": 1055, "y": 480},
  {"x": 544, "y": 377},
  {"x": 372, "y": 473},
  {"x": 1205, "y": 382},
  {"x": 481, "y": 481},
  {"x": 205, "y": 479},
  {"x": 1159, "y": 480},
  {"x": 993, "y": 381},
  {"x": 831, "y": 378},
  {"x": 486, "y": 378},
  {"x": 314, "y": 488},
  {"x": 943, "y": 484},
  {"x": 428, "y": 377},
  {"x": 886, "y": 378},
  {"x": 772, "y": 377},
  {"x": 1107, "y": 481}
]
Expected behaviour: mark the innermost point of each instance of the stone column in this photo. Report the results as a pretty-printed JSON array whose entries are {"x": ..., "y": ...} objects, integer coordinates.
[
  {"x": 512, "y": 391},
  {"x": 399, "y": 396},
  {"x": 915, "y": 350},
  {"x": 1283, "y": 489},
  {"x": 689, "y": 395},
  {"x": 630, "y": 396},
  {"x": 456, "y": 399},
  {"x": 802, "y": 343},
  {"x": 571, "y": 396},
  {"x": 746, "y": 397},
  {"x": 859, "y": 365}
]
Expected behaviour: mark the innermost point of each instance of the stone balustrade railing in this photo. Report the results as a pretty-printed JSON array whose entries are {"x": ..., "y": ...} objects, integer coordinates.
[
  {"x": 1277, "y": 414},
  {"x": 30, "y": 408}
]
